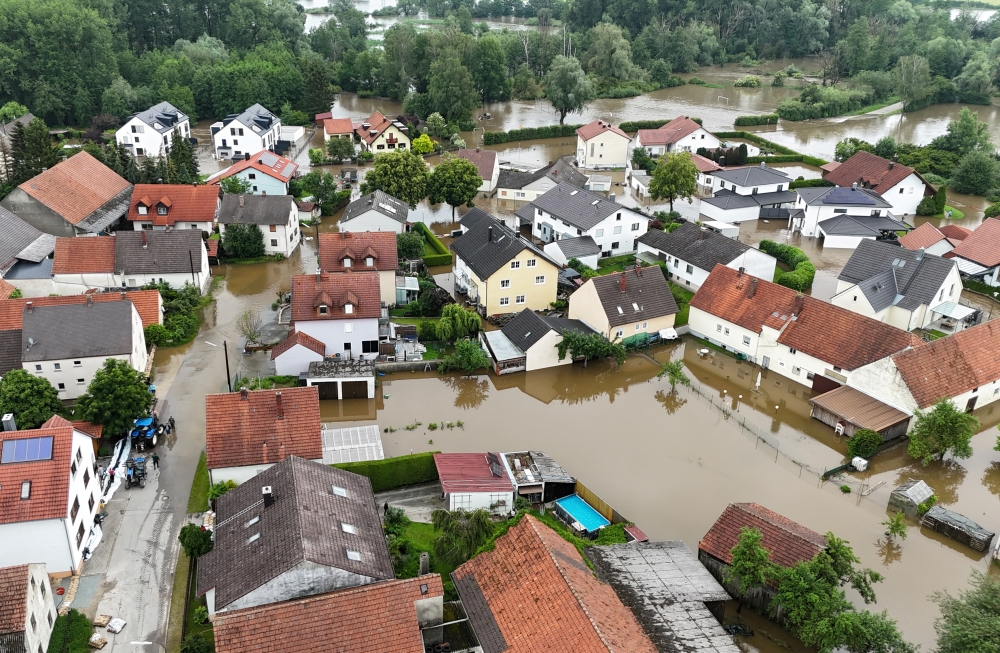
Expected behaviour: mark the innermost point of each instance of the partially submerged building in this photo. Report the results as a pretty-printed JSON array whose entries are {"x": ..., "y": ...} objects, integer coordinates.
[
  {"x": 538, "y": 478},
  {"x": 474, "y": 481},
  {"x": 908, "y": 496},
  {"x": 958, "y": 527}
]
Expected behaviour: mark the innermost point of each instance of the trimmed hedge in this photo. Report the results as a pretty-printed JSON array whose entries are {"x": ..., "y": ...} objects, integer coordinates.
[
  {"x": 809, "y": 183},
  {"x": 529, "y": 133},
  {"x": 442, "y": 255},
  {"x": 70, "y": 633},
  {"x": 632, "y": 126},
  {"x": 776, "y": 158},
  {"x": 813, "y": 161},
  {"x": 750, "y": 121},
  {"x": 395, "y": 472},
  {"x": 756, "y": 140},
  {"x": 979, "y": 287},
  {"x": 803, "y": 271}
]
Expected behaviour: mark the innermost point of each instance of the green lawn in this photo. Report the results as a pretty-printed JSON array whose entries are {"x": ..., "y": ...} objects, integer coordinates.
[
  {"x": 872, "y": 107},
  {"x": 934, "y": 334},
  {"x": 177, "y": 603},
  {"x": 683, "y": 298},
  {"x": 614, "y": 264},
  {"x": 955, "y": 213},
  {"x": 198, "y": 501}
]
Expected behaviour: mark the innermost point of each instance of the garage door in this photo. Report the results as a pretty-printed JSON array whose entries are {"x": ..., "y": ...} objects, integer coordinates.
[
  {"x": 355, "y": 389},
  {"x": 327, "y": 390}
]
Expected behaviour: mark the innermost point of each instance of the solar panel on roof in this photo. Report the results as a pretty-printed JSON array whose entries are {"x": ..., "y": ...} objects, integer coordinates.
[
  {"x": 848, "y": 196},
  {"x": 268, "y": 159},
  {"x": 495, "y": 467}
]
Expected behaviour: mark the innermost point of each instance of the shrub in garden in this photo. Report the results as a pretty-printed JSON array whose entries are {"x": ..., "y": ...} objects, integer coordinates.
[
  {"x": 864, "y": 443},
  {"x": 750, "y": 81}
]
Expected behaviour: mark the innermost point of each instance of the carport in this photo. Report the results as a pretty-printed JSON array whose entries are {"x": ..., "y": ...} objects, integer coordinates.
[{"x": 342, "y": 379}]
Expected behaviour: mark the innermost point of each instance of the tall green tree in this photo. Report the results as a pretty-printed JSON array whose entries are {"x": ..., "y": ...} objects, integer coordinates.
[
  {"x": 673, "y": 370},
  {"x": 970, "y": 622},
  {"x": 182, "y": 162},
  {"x": 31, "y": 150},
  {"x": 341, "y": 149},
  {"x": 977, "y": 173},
  {"x": 455, "y": 181},
  {"x": 319, "y": 92},
  {"x": 234, "y": 185},
  {"x": 117, "y": 395},
  {"x": 489, "y": 70},
  {"x": 913, "y": 79},
  {"x": 674, "y": 178},
  {"x": 468, "y": 357},
  {"x": 589, "y": 346},
  {"x": 12, "y": 111},
  {"x": 452, "y": 88},
  {"x": 751, "y": 567},
  {"x": 567, "y": 86},
  {"x": 30, "y": 399},
  {"x": 610, "y": 54},
  {"x": 462, "y": 533},
  {"x": 243, "y": 242},
  {"x": 965, "y": 134},
  {"x": 401, "y": 174},
  {"x": 942, "y": 430},
  {"x": 457, "y": 323},
  {"x": 323, "y": 188}
]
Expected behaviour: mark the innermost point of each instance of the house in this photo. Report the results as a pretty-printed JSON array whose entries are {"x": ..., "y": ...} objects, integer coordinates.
[
  {"x": 640, "y": 184},
  {"x": 526, "y": 186},
  {"x": 148, "y": 303},
  {"x": 740, "y": 192},
  {"x": 679, "y": 135},
  {"x": 978, "y": 255},
  {"x": 340, "y": 310},
  {"x": 538, "y": 477},
  {"x": 626, "y": 305},
  {"x": 847, "y": 410},
  {"x": 151, "y": 132},
  {"x": 582, "y": 248},
  {"x": 337, "y": 128},
  {"x": 292, "y": 355},
  {"x": 963, "y": 367},
  {"x": 275, "y": 215},
  {"x": 528, "y": 342},
  {"x": 308, "y": 211},
  {"x": 23, "y": 247},
  {"x": 265, "y": 172},
  {"x": 534, "y": 592},
  {"x": 598, "y": 183},
  {"x": 68, "y": 344},
  {"x": 298, "y": 529},
  {"x": 787, "y": 541},
  {"x": 131, "y": 259},
  {"x": 501, "y": 272},
  {"x": 362, "y": 252},
  {"x": 376, "y": 211},
  {"x": 78, "y": 196},
  {"x": 475, "y": 481},
  {"x": 174, "y": 206},
  {"x": 380, "y": 134},
  {"x": 28, "y": 610},
  {"x": 6, "y": 131},
  {"x": 487, "y": 163},
  {"x": 843, "y": 217},
  {"x": 601, "y": 146},
  {"x": 707, "y": 168},
  {"x": 253, "y": 130},
  {"x": 393, "y": 616},
  {"x": 567, "y": 212},
  {"x": 49, "y": 495},
  {"x": 678, "y": 602},
  {"x": 901, "y": 186},
  {"x": 729, "y": 208},
  {"x": 691, "y": 252},
  {"x": 909, "y": 290},
  {"x": 930, "y": 239},
  {"x": 476, "y": 215},
  {"x": 801, "y": 338},
  {"x": 247, "y": 432}
]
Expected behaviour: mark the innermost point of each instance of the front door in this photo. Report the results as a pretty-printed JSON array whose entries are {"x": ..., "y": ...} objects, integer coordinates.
[
  {"x": 765, "y": 362},
  {"x": 546, "y": 231},
  {"x": 971, "y": 406}
]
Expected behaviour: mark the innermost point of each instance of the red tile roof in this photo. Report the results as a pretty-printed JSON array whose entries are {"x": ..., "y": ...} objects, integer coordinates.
[
  {"x": 212, "y": 245},
  {"x": 84, "y": 255},
  {"x": 49, "y": 478},
  {"x": 923, "y": 236},
  {"x": 484, "y": 160},
  {"x": 357, "y": 245},
  {"x": 868, "y": 170},
  {"x": 570, "y": 610},
  {"x": 376, "y": 121},
  {"x": 6, "y": 288},
  {"x": 954, "y": 232},
  {"x": 320, "y": 117},
  {"x": 298, "y": 338},
  {"x": 282, "y": 170},
  {"x": 246, "y": 428},
  {"x": 76, "y": 187},
  {"x": 335, "y": 290},
  {"x": 470, "y": 472},
  {"x": 669, "y": 133},
  {"x": 982, "y": 246},
  {"x": 377, "y": 617},
  {"x": 637, "y": 535},
  {"x": 830, "y": 167},
  {"x": 187, "y": 203},
  {"x": 13, "y": 598},
  {"x": 787, "y": 541},
  {"x": 93, "y": 430},
  {"x": 832, "y": 334},
  {"x": 338, "y": 126},
  {"x": 705, "y": 165},
  {"x": 147, "y": 303},
  {"x": 953, "y": 365},
  {"x": 598, "y": 127}
]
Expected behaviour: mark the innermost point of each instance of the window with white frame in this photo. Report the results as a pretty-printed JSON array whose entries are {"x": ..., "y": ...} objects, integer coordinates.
[
  {"x": 515, "y": 265},
  {"x": 349, "y": 308},
  {"x": 619, "y": 333},
  {"x": 505, "y": 283},
  {"x": 519, "y": 299},
  {"x": 618, "y": 230},
  {"x": 505, "y": 301},
  {"x": 348, "y": 327},
  {"x": 635, "y": 226},
  {"x": 531, "y": 262},
  {"x": 599, "y": 233},
  {"x": 540, "y": 279},
  {"x": 746, "y": 340}
]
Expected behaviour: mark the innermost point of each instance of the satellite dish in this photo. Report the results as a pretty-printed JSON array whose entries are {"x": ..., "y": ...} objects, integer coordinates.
[{"x": 31, "y": 341}]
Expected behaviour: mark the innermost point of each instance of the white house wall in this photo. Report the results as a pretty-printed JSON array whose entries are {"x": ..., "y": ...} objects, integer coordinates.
[
  {"x": 249, "y": 142},
  {"x": 372, "y": 221},
  {"x": 150, "y": 141},
  {"x": 604, "y": 151},
  {"x": 855, "y": 301},
  {"x": 83, "y": 486},
  {"x": 723, "y": 333},
  {"x": 718, "y": 184},
  {"x": 905, "y": 196},
  {"x": 295, "y": 360},
  {"x": 49, "y": 543},
  {"x": 843, "y": 242},
  {"x": 756, "y": 263},
  {"x": 798, "y": 366},
  {"x": 41, "y": 607},
  {"x": 632, "y": 226},
  {"x": 544, "y": 353},
  {"x": 333, "y": 333},
  {"x": 74, "y": 378},
  {"x": 207, "y": 227},
  {"x": 729, "y": 216}
]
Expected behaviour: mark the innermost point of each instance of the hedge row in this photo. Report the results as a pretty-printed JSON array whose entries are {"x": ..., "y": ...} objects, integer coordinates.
[
  {"x": 803, "y": 272},
  {"x": 814, "y": 161},
  {"x": 70, "y": 633},
  {"x": 776, "y": 158},
  {"x": 979, "y": 287},
  {"x": 809, "y": 183},
  {"x": 529, "y": 133},
  {"x": 442, "y": 255},
  {"x": 395, "y": 472},
  {"x": 632, "y": 126},
  {"x": 750, "y": 121},
  {"x": 757, "y": 140}
]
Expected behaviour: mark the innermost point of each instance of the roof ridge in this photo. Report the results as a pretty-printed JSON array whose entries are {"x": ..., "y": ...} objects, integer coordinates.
[{"x": 779, "y": 524}]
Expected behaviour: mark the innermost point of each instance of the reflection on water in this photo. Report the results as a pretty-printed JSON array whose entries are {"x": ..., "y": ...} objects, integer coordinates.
[{"x": 945, "y": 477}]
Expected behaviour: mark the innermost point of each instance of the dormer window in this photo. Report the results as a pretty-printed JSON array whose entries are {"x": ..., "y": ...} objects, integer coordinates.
[
  {"x": 347, "y": 262},
  {"x": 369, "y": 261},
  {"x": 324, "y": 310},
  {"x": 142, "y": 209},
  {"x": 349, "y": 308},
  {"x": 161, "y": 210}
]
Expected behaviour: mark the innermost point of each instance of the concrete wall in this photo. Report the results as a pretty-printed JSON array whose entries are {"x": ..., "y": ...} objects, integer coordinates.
[
  {"x": 37, "y": 214},
  {"x": 606, "y": 150},
  {"x": 544, "y": 354},
  {"x": 369, "y": 382},
  {"x": 756, "y": 263},
  {"x": 882, "y": 379},
  {"x": 49, "y": 543},
  {"x": 305, "y": 579},
  {"x": 294, "y": 361},
  {"x": 334, "y": 334},
  {"x": 372, "y": 221},
  {"x": 387, "y": 286},
  {"x": 33, "y": 287},
  {"x": 76, "y": 284}
]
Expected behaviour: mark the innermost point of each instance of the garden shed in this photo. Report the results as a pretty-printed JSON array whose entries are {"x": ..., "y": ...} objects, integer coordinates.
[
  {"x": 848, "y": 411},
  {"x": 908, "y": 496},
  {"x": 958, "y": 527}
]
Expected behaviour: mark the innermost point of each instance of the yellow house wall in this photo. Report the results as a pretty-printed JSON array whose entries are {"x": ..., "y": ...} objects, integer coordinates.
[
  {"x": 380, "y": 140},
  {"x": 522, "y": 282},
  {"x": 585, "y": 305}
]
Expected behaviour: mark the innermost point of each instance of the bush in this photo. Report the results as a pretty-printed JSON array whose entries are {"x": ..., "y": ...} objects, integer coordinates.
[
  {"x": 70, "y": 633},
  {"x": 992, "y": 211},
  {"x": 631, "y": 126},
  {"x": 927, "y": 504},
  {"x": 809, "y": 183},
  {"x": 395, "y": 472},
  {"x": 529, "y": 133},
  {"x": 750, "y": 81},
  {"x": 441, "y": 256},
  {"x": 195, "y": 540},
  {"x": 803, "y": 272},
  {"x": 927, "y": 206},
  {"x": 864, "y": 443},
  {"x": 220, "y": 488},
  {"x": 195, "y": 643},
  {"x": 200, "y": 615},
  {"x": 426, "y": 331},
  {"x": 756, "y": 140},
  {"x": 776, "y": 158},
  {"x": 763, "y": 119},
  {"x": 156, "y": 334},
  {"x": 698, "y": 81},
  {"x": 846, "y": 489}
]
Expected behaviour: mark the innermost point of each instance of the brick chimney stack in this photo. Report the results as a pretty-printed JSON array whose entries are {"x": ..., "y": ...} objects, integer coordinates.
[{"x": 279, "y": 405}]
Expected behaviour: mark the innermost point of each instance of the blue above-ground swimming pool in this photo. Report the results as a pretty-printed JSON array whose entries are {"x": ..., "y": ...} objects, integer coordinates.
[{"x": 573, "y": 508}]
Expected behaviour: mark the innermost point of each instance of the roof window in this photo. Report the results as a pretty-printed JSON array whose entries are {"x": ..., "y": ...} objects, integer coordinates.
[
  {"x": 620, "y": 311},
  {"x": 26, "y": 450},
  {"x": 252, "y": 521},
  {"x": 353, "y": 555},
  {"x": 253, "y": 538},
  {"x": 348, "y": 528},
  {"x": 339, "y": 491}
]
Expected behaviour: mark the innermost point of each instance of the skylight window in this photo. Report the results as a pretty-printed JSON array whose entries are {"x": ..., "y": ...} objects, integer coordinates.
[
  {"x": 635, "y": 306},
  {"x": 252, "y": 521},
  {"x": 27, "y": 450},
  {"x": 353, "y": 555},
  {"x": 620, "y": 311},
  {"x": 348, "y": 528},
  {"x": 574, "y": 193},
  {"x": 253, "y": 538},
  {"x": 339, "y": 491},
  {"x": 595, "y": 202}
]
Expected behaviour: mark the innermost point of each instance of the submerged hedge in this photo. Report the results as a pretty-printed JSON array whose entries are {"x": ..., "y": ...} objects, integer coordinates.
[
  {"x": 632, "y": 126},
  {"x": 803, "y": 271},
  {"x": 750, "y": 121},
  {"x": 441, "y": 254},
  {"x": 395, "y": 472},
  {"x": 530, "y": 133}
]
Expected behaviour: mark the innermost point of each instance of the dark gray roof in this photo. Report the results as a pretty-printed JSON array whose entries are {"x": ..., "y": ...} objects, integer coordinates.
[
  {"x": 573, "y": 205},
  {"x": 576, "y": 247},
  {"x": 837, "y": 196},
  {"x": 164, "y": 114},
  {"x": 860, "y": 225},
  {"x": 474, "y": 217},
  {"x": 379, "y": 201},
  {"x": 892, "y": 275},
  {"x": 76, "y": 331},
  {"x": 729, "y": 200},
  {"x": 777, "y": 197},
  {"x": 646, "y": 296},
  {"x": 256, "y": 115},
  {"x": 304, "y": 524},
  {"x": 696, "y": 245},
  {"x": 752, "y": 176},
  {"x": 158, "y": 252},
  {"x": 485, "y": 253},
  {"x": 256, "y": 209},
  {"x": 562, "y": 170},
  {"x": 7, "y": 128},
  {"x": 107, "y": 214},
  {"x": 528, "y": 327},
  {"x": 10, "y": 350},
  {"x": 20, "y": 240},
  {"x": 30, "y": 270}
]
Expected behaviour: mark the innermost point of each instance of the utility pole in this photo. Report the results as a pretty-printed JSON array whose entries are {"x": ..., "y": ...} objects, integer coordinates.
[
  {"x": 229, "y": 378},
  {"x": 191, "y": 261}
]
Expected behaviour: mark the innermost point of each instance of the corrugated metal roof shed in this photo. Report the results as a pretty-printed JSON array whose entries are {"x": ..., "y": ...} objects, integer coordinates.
[
  {"x": 352, "y": 444},
  {"x": 471, "y": 472},
  {"x": 860, "y": 409}
]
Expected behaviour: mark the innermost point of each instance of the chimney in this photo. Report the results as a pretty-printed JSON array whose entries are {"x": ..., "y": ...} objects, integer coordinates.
[
  {"x": 279, "y": 406},
  {"x": 763, "y": 165},
  {"x": 722, "y": 161},
  {"x": 268, "y": 496},
  {"x": 123, "y": 294},
  {"x": 752, "y": 290},
  {"x": 143, "y": 232},
  {"x": 621, "y": 282},
  {"x": 90, "y": 300},
  {"x": 920, "y": 254},
  {"x": 892, "y": 164},
  {"x": 740, "y": 273},
  {"x": 8, "y": 422},
  {"x": 704, "y": 234},
  {"x": 489, "y": 233},
  {"x": 241, "y": 201},
  {"x": 194, "y": 183},
  {"x": 244, "y": 394},
  {"x": 800, "y": 301},
  {"x": 246, "y": 157},
  {"x": 30, "y": 306},
  {"x": 319, "y": 273},
  {"x": 854, "y": 186},
  {"x": 263, "y": 193}
]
